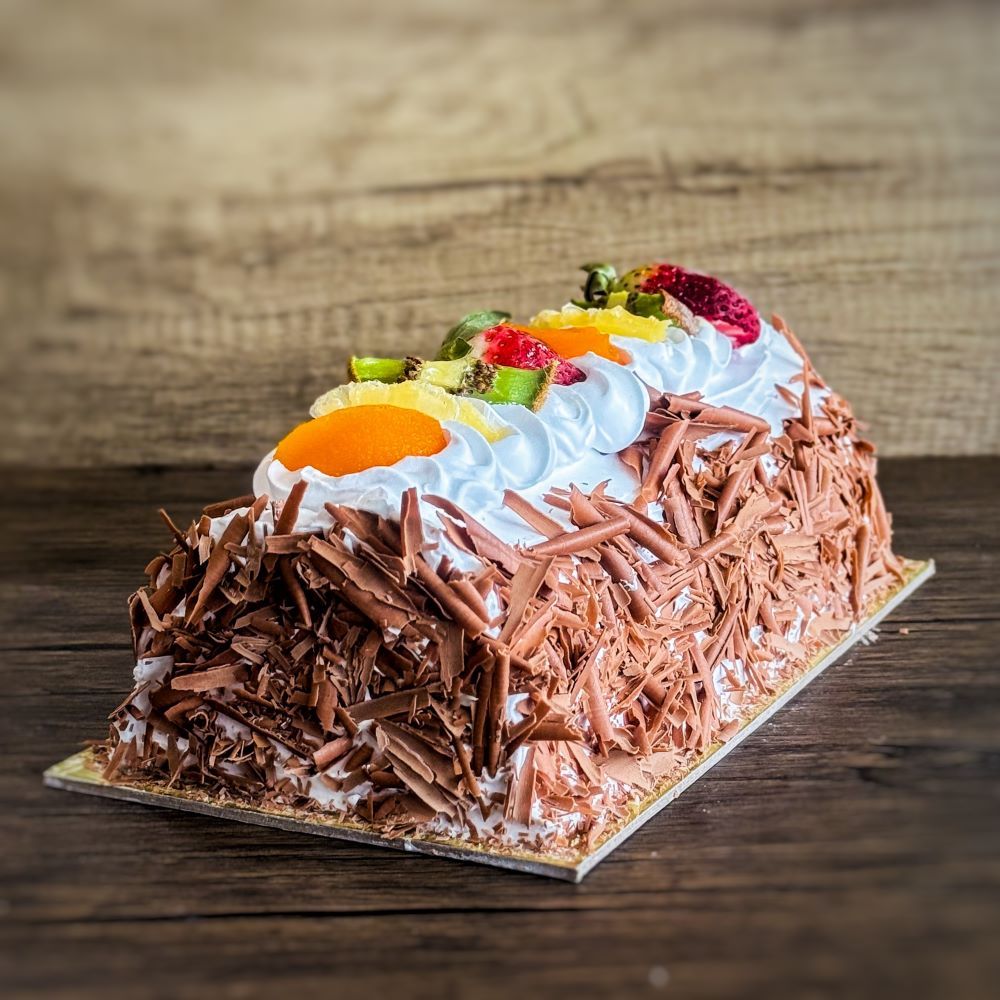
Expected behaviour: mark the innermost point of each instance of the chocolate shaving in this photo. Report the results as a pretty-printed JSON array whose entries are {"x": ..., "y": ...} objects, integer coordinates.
[
  {"x": 223, "y": 507},
  {"x": 285, "y": 524},
  {"x": 411, "y": 530},
  {"x": 659, "y": 462},
  {"x": 542, "y": 523},
  {"x": 218, "y": 564},
  {"x": 573, "y": 542},
  {"x": 209, "y": 680},
  {"x": 331, "y": 752},
  {"x": 397, "y": 703},
  {"x": 717, "y": 416}
]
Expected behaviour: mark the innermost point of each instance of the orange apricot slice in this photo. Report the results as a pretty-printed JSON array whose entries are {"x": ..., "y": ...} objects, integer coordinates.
[
  {"x": 360, "y": 437},
  {"x": 575, "y": 341}
]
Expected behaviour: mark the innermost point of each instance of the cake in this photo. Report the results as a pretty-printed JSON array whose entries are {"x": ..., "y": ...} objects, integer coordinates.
[{"x": 501, "y": 596}]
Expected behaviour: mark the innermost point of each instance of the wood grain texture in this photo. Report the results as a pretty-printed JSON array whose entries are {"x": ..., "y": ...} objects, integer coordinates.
[
  {"x": 206, "y": 209},
  {"x": 848, "y": 848}
]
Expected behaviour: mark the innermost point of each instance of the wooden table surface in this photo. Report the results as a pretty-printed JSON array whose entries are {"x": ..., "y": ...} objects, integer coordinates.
[{"x": 849, "y": 848}]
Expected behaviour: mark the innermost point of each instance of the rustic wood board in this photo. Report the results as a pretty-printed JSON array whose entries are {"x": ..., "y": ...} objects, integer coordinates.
[
  {"x": 848, "y": 848},
  {"x": 82, "y": 773},
  {"x": 204, "y": 214}
]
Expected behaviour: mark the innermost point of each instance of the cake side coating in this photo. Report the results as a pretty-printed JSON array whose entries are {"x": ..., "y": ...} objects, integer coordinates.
[{"x": 423, "y": 670}]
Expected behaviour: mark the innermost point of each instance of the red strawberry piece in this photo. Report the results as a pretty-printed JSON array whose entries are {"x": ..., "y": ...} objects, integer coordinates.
[
  {"x": 704, "y": 295},
  {"x": 505, "y": 345}
]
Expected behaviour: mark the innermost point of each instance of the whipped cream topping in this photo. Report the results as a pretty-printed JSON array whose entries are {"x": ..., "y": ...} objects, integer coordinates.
[
  {"x": 743, "y": 378},
  {"x": 573, "y": 439}
]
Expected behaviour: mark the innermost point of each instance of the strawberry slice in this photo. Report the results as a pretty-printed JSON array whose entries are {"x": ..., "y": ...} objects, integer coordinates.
[
  {"x": 702, "y": 294},
  {"x": 506, "y": 345}
]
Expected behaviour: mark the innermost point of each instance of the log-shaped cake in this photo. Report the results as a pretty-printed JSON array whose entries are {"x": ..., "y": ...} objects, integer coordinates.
[{"x": 500, "y": 595}]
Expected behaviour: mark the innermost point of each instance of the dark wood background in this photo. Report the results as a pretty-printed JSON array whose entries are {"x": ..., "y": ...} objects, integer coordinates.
[{"x": 206, "y": 207}]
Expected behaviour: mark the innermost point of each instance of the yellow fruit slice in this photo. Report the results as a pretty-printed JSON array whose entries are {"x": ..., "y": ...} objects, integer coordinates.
[
  {"x": 617, "y": 322},
  {"x": 428, "y": 399}
]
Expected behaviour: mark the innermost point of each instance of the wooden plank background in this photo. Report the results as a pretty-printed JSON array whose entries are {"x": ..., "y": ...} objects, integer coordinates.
[{"x": 207, "y": 207}]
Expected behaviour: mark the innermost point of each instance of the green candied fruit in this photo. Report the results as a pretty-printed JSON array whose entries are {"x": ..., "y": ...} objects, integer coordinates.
[
  {"x": 377, "y": 369},
  {"x": 463, "y": 376}
]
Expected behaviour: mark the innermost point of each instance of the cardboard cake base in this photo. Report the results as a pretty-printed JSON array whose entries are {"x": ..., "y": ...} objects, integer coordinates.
[{"x": 82, "y": 773}]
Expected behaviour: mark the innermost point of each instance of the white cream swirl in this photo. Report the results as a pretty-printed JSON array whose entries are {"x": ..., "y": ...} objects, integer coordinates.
[
  {"x": 573, "y": 439},
  {"x": 604, "y": 413},
  {"x": 467, "y": 470},
  {"x": 744, "y": 378}
]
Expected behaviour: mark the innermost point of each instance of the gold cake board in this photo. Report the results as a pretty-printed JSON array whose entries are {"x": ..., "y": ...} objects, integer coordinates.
[{"x": 82, "y": 773}]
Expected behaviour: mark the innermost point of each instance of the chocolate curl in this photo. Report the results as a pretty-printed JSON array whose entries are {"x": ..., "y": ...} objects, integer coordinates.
[
  {"x": 179, "y": 713},
  {"x": 225, "y": 506},
  {"x": 680, "y": 511},
  {"x": 597, "y": 710},
  {"x": 496, "y": 647},
  {"x": 155, "y": 621},
  {"x": 533, "y": 632},
  {"x": 723, "y": 416},
  {"x": 531, "y": 515},
  {"x": 179, "y": 537},
  {"x": 468, "y": 593},
  {"x": 218, "y": 564},
  {"x": 382, "y": 614},
  {"x": 390, "y": 704},
  {"x": 257, "y": 507},
  {"x": 659, "y": 462},
  {"x": 802, "y": 498},
  {"x": 862, "y": 544},
  {"x": 209, "y": 680},
  {"x": 465, "y": 765},
  {"x": 523, "y": 791},
  {"x": 285, "y": 524},
  {"x": 707, "y": 550},
  {"x": 287, "y": 571},
  {"x": 807, "y": 413},
  {"x": 497, "y": 711},
  {"x": 758, "y": 444},
  {"x": 344, "y": 718},
  {"x": 326, "y": 703},
  {"x": 486, "y": 543},
  {"x": 733, "y": 488},
  {"x": 524, "y": 586},
  {"x": 279, "y": 738},
  {"x": 707, "y": 709},
  {"x": 558, "y": 732},
  {"x": 482, "y": 709},
  {"x": 519, "y": 733},
  {"x": 115, "y": 762},
  {"x": 448, "y": 599},
  {"x": 584, "y": 512},
  {"x": 284, "y": 545},
  {"x": 411, "y": 530},
  {"x": 178, "y": 569},
  {"x": 332, "y": 751},
  {"x": 722, "y": 633},
  {"x": 574, "y": 542},
  {"x": 783, "y": 328},
  {"x": 647, "y": 533}
]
